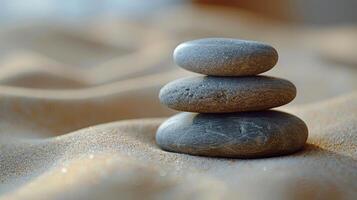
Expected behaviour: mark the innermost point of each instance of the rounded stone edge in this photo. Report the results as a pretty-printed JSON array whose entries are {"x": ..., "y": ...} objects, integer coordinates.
[
  {"x": 298, "y": 147},
  {"x": 195, "y": 109},
  {"x": 216, "y": 72}
]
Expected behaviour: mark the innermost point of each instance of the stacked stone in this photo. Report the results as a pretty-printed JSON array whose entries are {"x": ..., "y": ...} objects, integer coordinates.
[{"x": 226, "y": 111}]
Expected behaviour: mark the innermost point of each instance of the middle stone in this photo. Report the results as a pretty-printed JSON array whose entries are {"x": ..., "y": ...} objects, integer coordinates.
[{"x": 211, "y": 94}]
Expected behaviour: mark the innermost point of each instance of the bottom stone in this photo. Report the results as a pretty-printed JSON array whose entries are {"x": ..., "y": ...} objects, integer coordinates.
[{"x": 239, "y": 135}]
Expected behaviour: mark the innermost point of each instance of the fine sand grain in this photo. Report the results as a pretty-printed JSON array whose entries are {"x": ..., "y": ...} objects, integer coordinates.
[{"x": 121, "y": 159}]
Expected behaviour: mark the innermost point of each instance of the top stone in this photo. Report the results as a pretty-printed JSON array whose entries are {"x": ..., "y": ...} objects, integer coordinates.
[{"x": 225, "y": 57}]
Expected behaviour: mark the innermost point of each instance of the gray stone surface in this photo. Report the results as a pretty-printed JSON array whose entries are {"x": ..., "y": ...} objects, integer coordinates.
[
  {"x": 213, "y": 94},
  {"x": 240, "y": 135},
  {"x": 225, "y": 57}
]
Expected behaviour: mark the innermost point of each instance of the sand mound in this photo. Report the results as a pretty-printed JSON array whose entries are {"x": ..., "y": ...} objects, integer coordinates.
[{"x": 121, "y": 160}]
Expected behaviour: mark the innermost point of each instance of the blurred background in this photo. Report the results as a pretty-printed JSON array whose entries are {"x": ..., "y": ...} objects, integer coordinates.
[{"x": 78, "y": 44}]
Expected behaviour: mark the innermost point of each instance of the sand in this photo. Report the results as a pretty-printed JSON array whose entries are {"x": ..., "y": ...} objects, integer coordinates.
[
  {"x": 121, "y": 160},
  {"x": 81, "y": 134}
]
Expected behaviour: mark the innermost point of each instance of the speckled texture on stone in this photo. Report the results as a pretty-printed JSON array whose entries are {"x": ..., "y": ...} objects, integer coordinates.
[
  {"x": 241, "y": 135},
  {"x": 209, "y": 94},
  {"x": 225, "y": 57}
]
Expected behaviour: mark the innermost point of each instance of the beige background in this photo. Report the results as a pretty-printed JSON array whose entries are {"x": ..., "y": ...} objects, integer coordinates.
[{"x": 57, "y": 78}]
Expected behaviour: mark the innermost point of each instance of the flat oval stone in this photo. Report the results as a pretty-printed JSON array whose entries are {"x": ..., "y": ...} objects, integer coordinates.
[
  {"x": 213, "y": 94},
  {"x": 225, "y": 57},
  {"x": 240, "y": 135}
]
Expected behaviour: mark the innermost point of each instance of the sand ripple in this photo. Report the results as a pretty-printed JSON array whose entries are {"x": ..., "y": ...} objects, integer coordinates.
[{"x": 120, "y": 159}]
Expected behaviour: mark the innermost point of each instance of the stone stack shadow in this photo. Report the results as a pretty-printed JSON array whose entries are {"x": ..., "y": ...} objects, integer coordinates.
[{"x": 226, "y": 111}]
